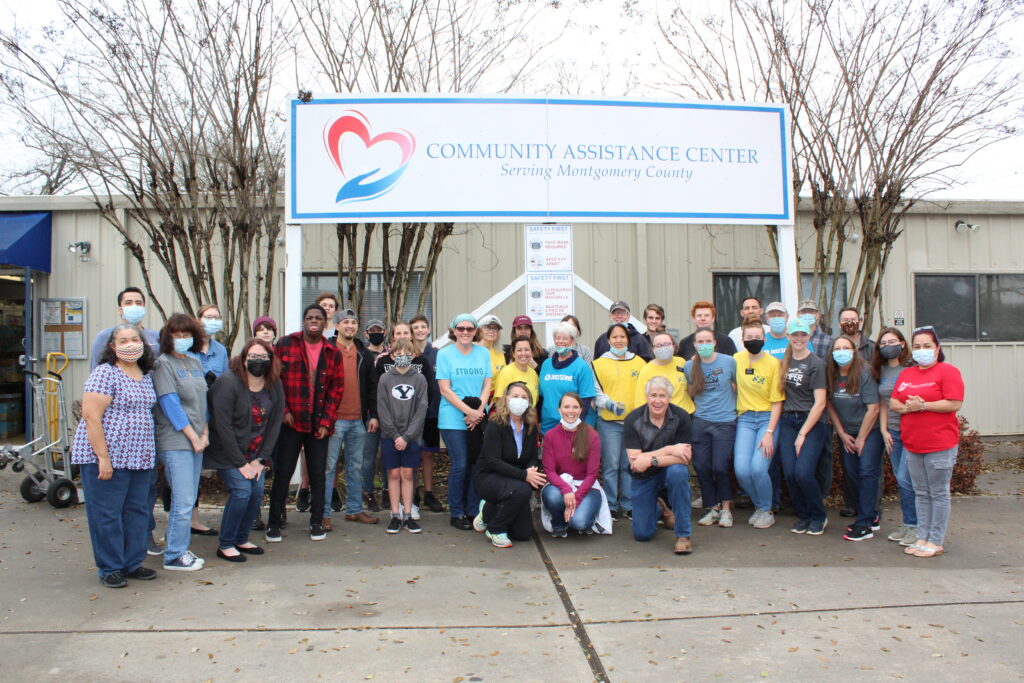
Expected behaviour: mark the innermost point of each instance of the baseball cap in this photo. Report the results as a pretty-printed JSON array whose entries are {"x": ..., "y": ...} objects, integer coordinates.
[
  {"x": 617, "y": 305},
  {"x": 522, "y": 320},
  {"x": 776, "y": 306},
  {"x": 347, "y": 314},
  {"x": 807, "y": 305},
  {"x": 490, "y": 319},
  {"x": 798, "y": 325},
  {"x": 375, "y": 323}
]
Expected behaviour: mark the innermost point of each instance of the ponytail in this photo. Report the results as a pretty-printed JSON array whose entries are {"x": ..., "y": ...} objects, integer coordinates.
[
  {"x": 784, "y": 368},
  {"x": 695, "y": 383}
]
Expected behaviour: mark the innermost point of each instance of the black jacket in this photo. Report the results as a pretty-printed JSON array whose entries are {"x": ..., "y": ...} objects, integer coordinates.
[
  {"x": 638, "y": 344},
  {"x": 500, "y": 456},
  {"x": 367, "y": 379},
  {"x": 231, "y": 423}
]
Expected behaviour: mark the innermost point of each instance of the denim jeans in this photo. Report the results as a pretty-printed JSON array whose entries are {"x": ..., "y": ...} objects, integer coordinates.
[
  {"x": 154, "y": 492},
  {"x": 243, "y": 505},
  {"x": 675, "y": 478},
  {"x": 459, "y": 480},
  {"x": 371, "y": 443},
  {"x": 351, "y": 433},
  {"x": 931, "y": 473},
  {"x": 749, "y": 462},
  {"x": 863, "y": 472},
  {"x": 586, "y": 510},
  {"x": 182, "y": 469},
  {"x": 800, "y": 469},
  {"x": 775, "y": 474},
  {"x": 823, "y": 473},
  {"x": 898, "y": 460},
  {"x": 713, "y": 446},
  {"x": 615, "y": 476},
  {"x": 117, "y": 516}
]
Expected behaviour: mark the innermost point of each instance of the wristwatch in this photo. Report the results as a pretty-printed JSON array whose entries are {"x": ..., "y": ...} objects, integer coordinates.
[{"x": 654, "y": 461}]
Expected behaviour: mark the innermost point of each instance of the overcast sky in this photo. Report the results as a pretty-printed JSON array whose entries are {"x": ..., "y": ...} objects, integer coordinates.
[{"x": 605, "y": 50}]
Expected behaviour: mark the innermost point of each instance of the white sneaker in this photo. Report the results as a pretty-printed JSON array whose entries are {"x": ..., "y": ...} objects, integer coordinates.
[
  {"x": 755, "y": 517},
  {"x": 899, "y": 533},
  {"x": 710, "y": 518},
  {"x": 911, "y": 537},
  {"x": 697, "y": 503},
  {"x": 415, "y": 511},
  {"x": 766, "y": 520},
  {"x": 725, "y": 519}
]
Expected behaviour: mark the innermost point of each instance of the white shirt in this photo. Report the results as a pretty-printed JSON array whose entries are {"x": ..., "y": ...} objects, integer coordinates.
[{"x": 737, "y": 336}]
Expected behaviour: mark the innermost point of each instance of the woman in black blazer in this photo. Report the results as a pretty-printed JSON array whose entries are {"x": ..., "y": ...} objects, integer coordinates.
[
  {"x": 246, "y": 407},
  {"x": 506, "y": 473}
]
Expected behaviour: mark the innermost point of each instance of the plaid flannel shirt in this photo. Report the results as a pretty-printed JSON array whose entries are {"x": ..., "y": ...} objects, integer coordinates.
[{"x": 318, "y": 410}]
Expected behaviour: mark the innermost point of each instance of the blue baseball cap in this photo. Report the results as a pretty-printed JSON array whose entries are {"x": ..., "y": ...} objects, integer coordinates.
[{"x": 797, "y": 325}]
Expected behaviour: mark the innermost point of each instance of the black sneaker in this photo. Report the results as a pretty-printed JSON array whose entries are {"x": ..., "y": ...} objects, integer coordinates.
[
  {"x": 317, "y": 532},
  {"x": 817, "y": 528},
  {"x": 412, "y": 526},
  {"x": 432, "y": 503},
  {"x": 114, "y": 580},
  {"x": 461, "y": 523},
  {"x": 258, "y": 525},
  {"x": 394, "y": 526},
  {"x": 616, "y": 515},
  {"x": 141, "y": 573},
  {"x": 858, "y": 533},
  {"x": 302, "y": 500},
  {"x": 800, "y": 526},
  {"x": 336, "y": 503},
  {"x": 847, "y": 512},
  {"x": 273, "y": 534},
  {"x": 876, "y": 524}
]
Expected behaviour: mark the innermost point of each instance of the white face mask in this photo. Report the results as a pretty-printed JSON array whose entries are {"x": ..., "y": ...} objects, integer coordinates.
[
  {"x": 517, "y": 405},
  {"x": 570, "y": 425}
]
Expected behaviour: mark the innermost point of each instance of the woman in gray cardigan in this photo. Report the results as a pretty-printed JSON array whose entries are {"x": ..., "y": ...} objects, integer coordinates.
[{"x": 246, "y": 406}]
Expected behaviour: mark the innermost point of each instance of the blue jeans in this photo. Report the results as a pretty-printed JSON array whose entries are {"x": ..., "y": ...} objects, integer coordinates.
[
  {"x": 182, "y": 469},
  {"x": 615, "y": 476},
  {"x": 898, "y": 460},
  {"x": 243, "y": 505},
  {"x": 371, "y": 442},
  {"x": 154, "y": 478},
  {"x": 863, "y": 472},
  {"x": 775, "y": 474},
  {"x": 749, "y": 461},
  {"x": 351, "y": 433},
  {"x": 459, "y": 481},
  {"x": 799, "y": 470},
  {"x": 675, "y": 478},
  {"x": 586, "y": 510},
  {"x": 117, "y": 515},
  {"x": 713, "y": 446}
]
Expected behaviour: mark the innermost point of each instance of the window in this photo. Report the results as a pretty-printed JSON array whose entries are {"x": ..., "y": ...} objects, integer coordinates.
[
  {"x": 373, "y": 298},
  {"x": 732, "y": 288},
  {"x": 971, "y": 307}
]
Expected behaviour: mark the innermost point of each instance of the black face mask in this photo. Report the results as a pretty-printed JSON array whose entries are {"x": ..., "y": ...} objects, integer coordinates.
[
  {"x": 890, "y": 352},
  {"x": 754, "y": 346},
  {"x": 376, "y": 338},
  {"x": 257, "y": 368}
]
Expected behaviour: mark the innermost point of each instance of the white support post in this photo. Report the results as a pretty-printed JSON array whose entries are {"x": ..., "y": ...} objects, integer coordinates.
[
  {"x": 292, "y": 280},
  {"x": 789, "y": 273}
]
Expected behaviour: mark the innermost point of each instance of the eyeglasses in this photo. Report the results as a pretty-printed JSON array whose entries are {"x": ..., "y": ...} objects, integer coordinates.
[
  {"x": 465, "y": 329},
  {"x": 664, "y": 346},
  {"x": 212, "y": 317},
  {"x": 261, "y": 356}
]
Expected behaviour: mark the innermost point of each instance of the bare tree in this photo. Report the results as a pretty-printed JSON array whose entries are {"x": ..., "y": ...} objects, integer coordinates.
[
  {"x": 167, "y": 104},
  {"x": 888, "y": 99}
]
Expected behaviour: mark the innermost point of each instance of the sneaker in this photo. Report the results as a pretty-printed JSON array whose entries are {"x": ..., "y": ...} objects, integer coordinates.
[
  {"x": 817, "y": 528},
  {"x": 616, "y": 515},
  {"x": 559, "y": 533},
  {"x": 876, "y": 523},
  {"x": 628, "y": 514},
  {"x": 336, "y": 504},
  {"x": 395, "y": 525},
  {"x": 317, "y": 532},
  {"x": 858, "y": 533},
  {"x": 461, "y": 523},
  {"x": 755, "y": 517},
  {"x": 186, "y": 563},
  {"x": 847, "y": 512},
  {"x": 153, "y": 548},
  {"x": 415, "y": 514},
  {"x": 499, "y": 540},
  {"x": 258, "y": 524},
  {"x": 432, "y": 503},
  {"x": 412, "y": 526},
  {"x": 800, "y": 526},
  {"x": 370, "y": 501},
  {"x": 710, "y": 518},
  {"x": 272, "y": 534},
  {"x": 725, "y": 519},
  {"x": 911, "y": 537},
  {"x": 479, "y": 524},
  {"x": 766, "y": 520},
  {"x": 141, "y": 573},
  {"x": 898, "y": 534},
  {"x": 697, "y": 503},
  {"x": 114, "y": 580},
  {"x": 302, "y": 500}
]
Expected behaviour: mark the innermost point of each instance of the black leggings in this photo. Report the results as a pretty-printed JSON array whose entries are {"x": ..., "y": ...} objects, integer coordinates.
[
  {"x": 289, "y": 444},
  {"x": 507, "y": 507}
]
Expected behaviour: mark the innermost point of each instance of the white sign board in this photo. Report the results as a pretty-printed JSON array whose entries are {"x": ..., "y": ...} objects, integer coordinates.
[
  {"x": 549, "y": 296},
  {"x": 506, "y": 159},
  {"x": 548, "y": 248}
]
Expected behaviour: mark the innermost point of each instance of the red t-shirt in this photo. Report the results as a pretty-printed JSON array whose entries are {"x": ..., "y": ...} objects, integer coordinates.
[
  {"x": 313, "y": 359},
  {"x": 928, "y": 432}
]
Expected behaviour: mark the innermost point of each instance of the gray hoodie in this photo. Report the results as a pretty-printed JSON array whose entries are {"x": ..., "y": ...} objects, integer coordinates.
[{"x": 402, "y": 402}]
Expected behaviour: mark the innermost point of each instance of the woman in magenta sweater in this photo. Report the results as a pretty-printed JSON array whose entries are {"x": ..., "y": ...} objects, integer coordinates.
[{"x": 571, "y": 447}]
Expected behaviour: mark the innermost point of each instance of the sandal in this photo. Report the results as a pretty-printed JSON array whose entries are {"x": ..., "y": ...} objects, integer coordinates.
[
  {"x": 927, "y": 552},
  {"x": 911, "y": 549}
]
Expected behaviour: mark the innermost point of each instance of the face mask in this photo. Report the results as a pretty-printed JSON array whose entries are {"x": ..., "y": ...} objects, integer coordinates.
[
  {"x": 842, "y": 357},
  {"x": 753, "y": 346},
  {"x": 561, "y": 350},
  {"x": 257, "y": 367},
  {"x": 664, "y": 353},
  {"x": 517, "y": 405},
  {"x": 402, "y": 361},
  {"x": 849, "y": 329},
  {"x": 133, "y": 315},
  {"x": 705, "y": 350},
  {"x": 182, "y": 345},
  {"x": 570, "y": 425},
  {"x": 777, "y": 325},
  {"x": 212, "y": 327},
  {"x": 376, "y": 338},
  {"x": 924, "y": 357},
  {"x": 618, "y": 352},
  {"x": 890, "y": 352},
  {"x": 129, "y": 353},
  {"x": 809, "y": 319}
]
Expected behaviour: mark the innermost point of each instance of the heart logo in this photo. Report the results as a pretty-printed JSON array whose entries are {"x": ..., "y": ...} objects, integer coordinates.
[{"x": 361, "y": 184}]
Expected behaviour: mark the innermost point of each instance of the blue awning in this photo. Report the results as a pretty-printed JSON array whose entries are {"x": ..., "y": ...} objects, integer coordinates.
[{"x": 25, "y": 240}]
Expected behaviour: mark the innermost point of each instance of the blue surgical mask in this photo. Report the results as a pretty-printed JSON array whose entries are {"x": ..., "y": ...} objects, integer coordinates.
[
  {"x": 183, "y": 345},
  {"x": 561, "y": 350},
  {"x": 842, "y": 357},
  {"x": 618, "y": 352},
  {"x": 777, "y": 325},
  {"x": 809, "y": 318},
  {"x": 705, "y": 350},
  {"x": 924, "y": 357},
  {"x": 133, "y": 315},
  {"x": 212, "y": 327}
]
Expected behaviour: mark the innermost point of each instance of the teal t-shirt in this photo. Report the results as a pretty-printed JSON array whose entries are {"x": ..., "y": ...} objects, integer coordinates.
[
  {"x": 717, "y": 403},
  {"x": 467, "y": 373},
  {"x": 556, "y": 382}
]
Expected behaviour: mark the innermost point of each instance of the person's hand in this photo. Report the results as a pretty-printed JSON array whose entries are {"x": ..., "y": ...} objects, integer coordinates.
[
  {"x": 535, "y": 477},
  {"x": 570, "y": 505},
  {"x": 858, "y": 445},
  {"x": 372, "y": 426},
  {"x": 106, "y": 469},
  {"x": 767, "y": 446},
  {"x": 257, "y": 467},
  {"x": 321, "y": 432},
  {"x": 400, "y": 444},
  {"x": 246, "y": 471},
  {"x": 206, "y": 440},
  {"x": 887, "y": 438},
  {"x": 848, "y": 442},
  {"x": 680, "y": 450},
  {"x": 640, "y": 463},
  {"x": 799, "y": 443},
  {"x": 475, "y": 415},
  {"x": 197, "y": 444},
  {"x": 618, "y": 408},
  {"x": 288, "y": 420}
]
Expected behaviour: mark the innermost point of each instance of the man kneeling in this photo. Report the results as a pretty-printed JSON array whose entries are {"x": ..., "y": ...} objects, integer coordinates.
[{"x": 657, "y": 441}]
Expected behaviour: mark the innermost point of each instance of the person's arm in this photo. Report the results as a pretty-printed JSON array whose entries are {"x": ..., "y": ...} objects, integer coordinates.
[
  {"x": 593, "y": 465},
  {"x": 495, "y": 439},
  {"x": 419, "y": 414},
  {"x": 883, "y": 424},
  {"x": 332, "y": 399},
  {"x": 273, "y": 429},
  {"x": 866, "y": 426},
  {"x": 550, "y": 461},
  {"x": 170, "y": 405},
  {"x": 768, "y": 440},
  {"x": 845, "y": 439},
  {"x": 813, "y": 416},
  {"x": 93, "y": 407},
  {"x": 384, "y": 415},
  {"x": 224, "y": 398}
]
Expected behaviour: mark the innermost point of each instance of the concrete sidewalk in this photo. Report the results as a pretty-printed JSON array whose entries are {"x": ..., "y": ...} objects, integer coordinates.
[{"x": 446, "y": 606}]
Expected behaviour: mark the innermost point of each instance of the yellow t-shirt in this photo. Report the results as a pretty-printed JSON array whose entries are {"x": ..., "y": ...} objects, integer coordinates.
[
  {"x": 757, "y": 391},
  {"x": 497, "y": 360},
  {"x": 510, "y": 374},
  {"x": 672, "y": 371},
  {"x": 618, "y": 380}
]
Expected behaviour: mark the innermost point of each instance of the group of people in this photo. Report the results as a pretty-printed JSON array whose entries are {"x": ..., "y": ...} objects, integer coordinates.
[{"x": 602, "y": 432}]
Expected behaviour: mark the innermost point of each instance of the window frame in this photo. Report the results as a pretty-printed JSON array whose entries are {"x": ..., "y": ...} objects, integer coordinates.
[
  {"x": 977, "y": 275},
  {"x": 371, "y": 272}
]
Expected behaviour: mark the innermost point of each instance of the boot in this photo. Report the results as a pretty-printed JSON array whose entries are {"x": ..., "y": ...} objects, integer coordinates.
[{"x": 432, "y": 503}]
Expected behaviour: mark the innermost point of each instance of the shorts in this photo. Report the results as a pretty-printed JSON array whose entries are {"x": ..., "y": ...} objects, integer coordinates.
[
  {"x": 390, "y": 457},
  {"x": 431, "y": 435}
]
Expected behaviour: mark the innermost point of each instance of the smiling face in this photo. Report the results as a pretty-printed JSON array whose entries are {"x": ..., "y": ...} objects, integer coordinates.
[
  {"x": 798, "y": 340},
  {"x": 703, "y": 317},
  {"x": 562, "y": 339},
  {"x": 490, "y": 334},
  {"x": 420, "y": 330},
  {"x": 348, "y": 328},
  {"x": 569, "y": 408},
  {"x": 653, "y": 320},
  {"x": 619, "y": 315},
  {"x": 657, "y": 401},
  {"x": 464, "y": 333},
  {"x": 618, "y": 338},
  {"x": 401, "y": 331},
  {"x": 522, "y": 353}
]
